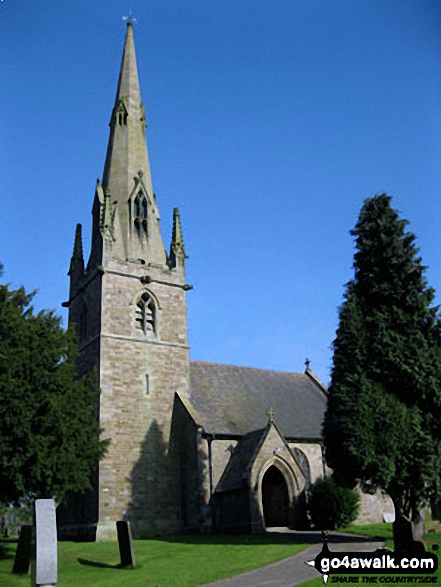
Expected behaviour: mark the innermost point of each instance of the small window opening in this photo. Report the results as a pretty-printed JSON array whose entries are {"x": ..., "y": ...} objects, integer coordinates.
[
  {"x": 146, "y": 314},
  {"x": 144, "y": 214},
  {"x": 140, "y": 213},
  {"x": 147, "y": 385}
]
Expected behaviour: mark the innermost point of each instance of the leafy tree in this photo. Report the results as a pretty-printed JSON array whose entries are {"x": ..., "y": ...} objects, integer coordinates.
[
  {"x": 382, "y": 425},
  {"x": 330, "y": 505},
  {"x": 49, "y": 433}
]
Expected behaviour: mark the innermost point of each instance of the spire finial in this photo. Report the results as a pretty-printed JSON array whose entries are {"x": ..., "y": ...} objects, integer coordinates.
[
  {"x": 130, "y": 19},
  {"x": 177, "y": 249},
  {"x": 77, "y": 260},
  {"x": 271, "y": 415},
  {"x": 78, "y": 244},
  {"x": 307, "y": 363}
]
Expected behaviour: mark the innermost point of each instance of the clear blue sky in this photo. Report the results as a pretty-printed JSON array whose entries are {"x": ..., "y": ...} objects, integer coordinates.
[{"x": 270, "y": 122}]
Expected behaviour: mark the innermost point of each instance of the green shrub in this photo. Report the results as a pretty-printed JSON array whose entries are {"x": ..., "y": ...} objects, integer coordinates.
[{"x": 331, "y": 506}]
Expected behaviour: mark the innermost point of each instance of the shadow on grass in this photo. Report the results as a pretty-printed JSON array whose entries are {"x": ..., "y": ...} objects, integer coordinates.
[
  {"x": 7, "y": 548},
  {"x": 88, "y": 563},
  {"x": 98, "y": 565},
  {"x": 271, "y": 537}
]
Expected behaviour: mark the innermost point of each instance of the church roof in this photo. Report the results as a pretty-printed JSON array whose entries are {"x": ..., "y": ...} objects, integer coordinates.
[
  {"x": 235, "y": 400},
  {"x": 235, "y": 473}
]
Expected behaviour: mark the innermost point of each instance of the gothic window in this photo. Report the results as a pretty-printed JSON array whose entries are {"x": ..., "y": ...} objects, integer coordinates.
[
  {"x": 121, "y": 115},
  {"x": 140, "y": 213},
  {"x": 302, "y": 461},
  {"x": 123, "y": 119},
  {"x": 146, "y": 314}
]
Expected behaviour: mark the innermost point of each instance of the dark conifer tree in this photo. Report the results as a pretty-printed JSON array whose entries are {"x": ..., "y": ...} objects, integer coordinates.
[
  {"x": 383, "y": 421},
  {"x": 49, "y": 433}
]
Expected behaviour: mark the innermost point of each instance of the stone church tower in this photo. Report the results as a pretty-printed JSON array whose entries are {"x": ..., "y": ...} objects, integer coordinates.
[
  {"x": 128, "y": 305},
  {"x": 193, "y": 445}
]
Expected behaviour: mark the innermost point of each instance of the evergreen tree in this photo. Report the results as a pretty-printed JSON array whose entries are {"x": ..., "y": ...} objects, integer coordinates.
[
  {"x": 382, "y": 425},
  {"x": 49, "y": 433}
]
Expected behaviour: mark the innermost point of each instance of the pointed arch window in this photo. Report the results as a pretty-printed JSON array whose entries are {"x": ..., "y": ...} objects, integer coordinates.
[
  {"x": 120, "y": 114},
  {"x": 122, "y": 118},
  {"x": 302, "y": 461},
  {"x": 146, "y": 314},
  {"x": 140, "y": 213}
]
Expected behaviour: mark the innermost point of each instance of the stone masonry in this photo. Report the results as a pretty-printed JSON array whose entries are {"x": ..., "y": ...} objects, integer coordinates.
[
  {"x": 129, "y": 308},
  {"x": 189, "y": 448}
]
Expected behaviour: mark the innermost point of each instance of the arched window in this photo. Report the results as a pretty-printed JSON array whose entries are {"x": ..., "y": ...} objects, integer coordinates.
[
  {"x": 302, "y": 461},
  {"x": 146, "y": 314},
  {"x": 140, "y": 213}
]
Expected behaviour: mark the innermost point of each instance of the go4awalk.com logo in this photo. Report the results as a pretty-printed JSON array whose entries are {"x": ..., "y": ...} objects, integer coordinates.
[{"x": 409, "y": 566}]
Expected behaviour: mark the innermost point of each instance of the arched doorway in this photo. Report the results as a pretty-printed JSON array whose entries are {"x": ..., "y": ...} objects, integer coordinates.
[{"x": 275, "y": 498}]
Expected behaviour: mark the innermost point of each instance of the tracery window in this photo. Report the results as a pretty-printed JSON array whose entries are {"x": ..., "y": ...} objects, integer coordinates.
[
  {"x": 140, "y": 213},
  {"x": 146, "y": 314}
]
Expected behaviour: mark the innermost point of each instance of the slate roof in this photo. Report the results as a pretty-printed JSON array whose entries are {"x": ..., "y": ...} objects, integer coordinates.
[
  {"x": 235, "y": 400},
  {"x": 235, "y": 473}
]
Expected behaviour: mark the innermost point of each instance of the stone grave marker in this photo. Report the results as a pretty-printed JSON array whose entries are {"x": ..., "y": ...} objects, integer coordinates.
[
  {"x": 125, "y": 544},
  {"x": 22, "y": 558},
  {"x": 403, "y": 535},
  {"x": 44, "y": 551}
]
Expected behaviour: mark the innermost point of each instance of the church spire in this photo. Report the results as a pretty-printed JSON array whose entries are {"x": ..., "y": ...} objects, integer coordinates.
[
  {"x": 127, "y": 146},
  {"x": 126, "y": 178},
  {"x": 128, "y": 84}
]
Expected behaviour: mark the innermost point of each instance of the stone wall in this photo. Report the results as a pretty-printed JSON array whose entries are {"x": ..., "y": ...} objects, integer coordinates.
[
  {"x": 184, "y": 447},
  {"x": 221, "y": 451},
  {"x": 314, "y": 455},
  {"x": 139, "y": 374},
  {"x": 375, "y": 508}
]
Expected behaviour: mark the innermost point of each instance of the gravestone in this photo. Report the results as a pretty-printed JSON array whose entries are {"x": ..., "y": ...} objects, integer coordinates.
[
  {"x": 403, "y": 536},
  {"x": 22, "y": 558},
  {"x": 125, "y": 544},
  {"x": 44, "y": 548}
]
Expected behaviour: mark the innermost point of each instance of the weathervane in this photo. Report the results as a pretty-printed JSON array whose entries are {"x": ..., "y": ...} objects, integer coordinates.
[{"x": 130, "y": 19}]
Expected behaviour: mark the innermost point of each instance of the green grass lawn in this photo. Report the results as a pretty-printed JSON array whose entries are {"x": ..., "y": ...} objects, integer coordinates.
[
  {"x": 178, "y": 561},
  {"x": 383, "y": 532}
]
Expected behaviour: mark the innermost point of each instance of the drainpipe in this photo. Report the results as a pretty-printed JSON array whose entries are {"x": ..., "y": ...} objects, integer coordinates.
[
  {"x": 209, "y": 438},
  {"x": 210, "y": 473}
]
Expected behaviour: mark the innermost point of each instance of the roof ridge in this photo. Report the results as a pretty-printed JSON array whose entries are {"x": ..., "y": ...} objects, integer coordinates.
[{"x": 248, "y": 368}]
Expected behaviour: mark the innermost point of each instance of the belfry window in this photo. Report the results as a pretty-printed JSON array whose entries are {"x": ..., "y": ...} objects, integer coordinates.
[
  {"x": 120, "y": 114},
  {"x": 146, "y": 314},
  {"x": 122, "y": 118},
  {"x": 140, "y": 213}
]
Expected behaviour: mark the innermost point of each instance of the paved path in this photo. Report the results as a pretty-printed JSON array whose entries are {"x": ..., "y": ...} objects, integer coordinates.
[{"x": 293, "y": 570}]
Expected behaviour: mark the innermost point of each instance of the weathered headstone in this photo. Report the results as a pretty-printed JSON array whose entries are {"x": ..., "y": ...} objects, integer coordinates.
[
  {"x": 44, "y": 551},
  {"x": 403, "y": 537},
  {"x": 125, "y": 544},
  {"x": 22, "y": 558}
]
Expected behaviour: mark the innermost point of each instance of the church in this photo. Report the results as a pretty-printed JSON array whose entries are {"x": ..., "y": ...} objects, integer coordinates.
[{"x": 194, "y": 446}]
